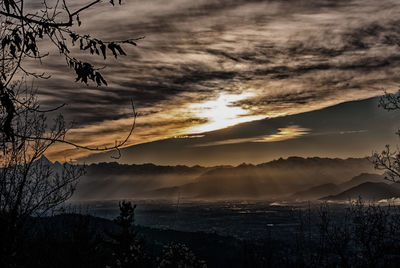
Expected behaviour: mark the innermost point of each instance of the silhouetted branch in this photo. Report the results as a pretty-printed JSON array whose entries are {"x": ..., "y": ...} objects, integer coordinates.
[
  {"x": 389, "y": 162},
  {"x": 19, "y": 40},
  {"x": 116, "y": 147},
  {"x": 47, "y": 23}
]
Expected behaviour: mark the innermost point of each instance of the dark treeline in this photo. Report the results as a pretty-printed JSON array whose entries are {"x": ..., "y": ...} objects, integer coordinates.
[
  {"x": 76, "y": 240},
  {"x": 360, "y": 235}
]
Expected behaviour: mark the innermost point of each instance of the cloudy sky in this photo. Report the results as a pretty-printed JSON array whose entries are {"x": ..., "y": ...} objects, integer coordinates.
[{"x": 210, "y": 64}]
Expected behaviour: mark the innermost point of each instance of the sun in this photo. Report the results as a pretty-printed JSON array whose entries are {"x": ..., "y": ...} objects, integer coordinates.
[{"x": 221, "y": 112}]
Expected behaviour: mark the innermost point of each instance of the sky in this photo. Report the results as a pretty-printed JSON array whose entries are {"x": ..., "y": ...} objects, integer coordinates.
[
  {"x": 350, "y": 129},
  {"x": 207, "y": 65}
]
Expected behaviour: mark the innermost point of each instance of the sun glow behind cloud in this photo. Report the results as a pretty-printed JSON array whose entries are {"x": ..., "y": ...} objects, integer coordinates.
[
  {"x": 221, "y": 112},
  {"x": 211, "y": 64}
]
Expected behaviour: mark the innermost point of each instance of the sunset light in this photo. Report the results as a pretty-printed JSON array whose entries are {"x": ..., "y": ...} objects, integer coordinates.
[
  {"x": 199, "y": 134},
  {"x": 221, "y": 112}
]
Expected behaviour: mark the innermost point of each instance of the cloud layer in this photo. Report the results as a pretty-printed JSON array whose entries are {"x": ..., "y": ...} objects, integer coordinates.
[{"x": 277, "y": 57}]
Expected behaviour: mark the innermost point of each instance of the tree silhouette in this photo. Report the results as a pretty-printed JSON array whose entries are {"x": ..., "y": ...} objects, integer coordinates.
[
  {"x": 29, "y": 184},
  {"x": 389, "y": 160},
  {"x": 21, "y": 31},
  {"x": 128, "y": 250}
]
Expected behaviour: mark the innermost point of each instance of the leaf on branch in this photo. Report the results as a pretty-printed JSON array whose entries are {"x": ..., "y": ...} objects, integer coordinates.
[
  {"x": 17, "y": 40},
  {"x": 85, "y": 72},
  {"x": 118, "y": 47},
  {"x": 100, "y": 80},
  {"x": 5, "y": 42},
  {"x": 74, "y": 38},
  {"x": 12, "y": 50},
  {"x": 103, "y": 50},
  {"x": 111, "y": 47},
  {"x": 32, "y": 47},
  {"x": 9, "y": 4},
  {"x": 88, "y": 45},
  {"x": 30, "y": 43}
]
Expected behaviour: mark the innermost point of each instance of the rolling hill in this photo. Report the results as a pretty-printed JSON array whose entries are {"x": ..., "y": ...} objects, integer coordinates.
[
  {"x": 331, "y": 189},
  {"x": 372, "y": 191}
]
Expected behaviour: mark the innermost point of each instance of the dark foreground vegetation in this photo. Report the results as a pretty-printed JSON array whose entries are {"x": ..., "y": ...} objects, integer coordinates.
[
  {"x": 75, "y": 240},
  {"x": 360, "y": 235}
]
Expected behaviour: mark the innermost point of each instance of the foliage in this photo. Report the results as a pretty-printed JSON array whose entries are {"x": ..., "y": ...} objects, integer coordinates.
[
  {"x": 128, "y": 251},
  {"x": 180, "y": 256},
  {"x": 23, "y": 30},
  {"x": 361, "y": 235},
  {"x": 29, "y": 185},
  {"x": 66, "y": 240}
]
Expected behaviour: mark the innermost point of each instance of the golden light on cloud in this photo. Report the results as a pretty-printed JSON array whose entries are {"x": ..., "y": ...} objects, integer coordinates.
[
  {"x": 180, "y": 122},
  {"x": 193, "y": 74},
  {"x": 286, "y": 133},
  {"x": 221, "y": 112}
]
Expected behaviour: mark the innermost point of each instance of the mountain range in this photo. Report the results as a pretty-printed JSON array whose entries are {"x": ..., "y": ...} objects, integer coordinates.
[
  {"x": 269, "y": 180},
  {"x": 295, "y": 177}
]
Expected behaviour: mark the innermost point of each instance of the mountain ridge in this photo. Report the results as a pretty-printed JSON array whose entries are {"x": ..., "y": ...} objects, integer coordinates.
[
  {"x": 308, "y": 177},
  {"x": 268, "y": 180},
  {"x": 331, "y": 189},
  {"x": 372, "y": 191}
]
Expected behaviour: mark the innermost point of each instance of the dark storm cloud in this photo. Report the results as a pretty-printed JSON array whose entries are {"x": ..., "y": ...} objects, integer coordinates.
[{"x": 292, "y": 56}]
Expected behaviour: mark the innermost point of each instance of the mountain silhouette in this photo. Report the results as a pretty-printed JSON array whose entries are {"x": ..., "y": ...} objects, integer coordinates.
[
  {"x": 372, "y": 191},
  {"x": 308, "y": 178},
  {"x": 331, "y": 189},
  {"x": 316, "y": 192},
  {"x": 363, "y": 177},
  {"x": 269, "y": 180}
]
